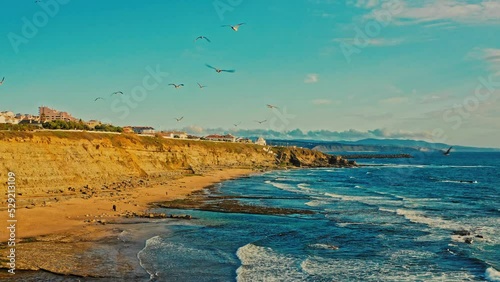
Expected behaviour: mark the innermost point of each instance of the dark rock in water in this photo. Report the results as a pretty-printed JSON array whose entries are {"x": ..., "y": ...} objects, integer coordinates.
[
  {"x": 468, "y": 240},
  {"x": 479, "y": 236},
  {"x": 462, "y": 233},
  {"x": 181, "y": 216}
]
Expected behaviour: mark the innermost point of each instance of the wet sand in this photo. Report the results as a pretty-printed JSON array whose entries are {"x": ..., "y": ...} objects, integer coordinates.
[{"x": 65, "y": 237}]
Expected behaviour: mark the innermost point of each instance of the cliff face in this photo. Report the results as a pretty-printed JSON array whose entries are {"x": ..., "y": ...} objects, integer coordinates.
[{"x": 45, "y": 161}]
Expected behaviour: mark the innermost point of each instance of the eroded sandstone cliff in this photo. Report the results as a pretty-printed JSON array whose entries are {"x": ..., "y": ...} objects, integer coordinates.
[{"x": 45, "y": 161}]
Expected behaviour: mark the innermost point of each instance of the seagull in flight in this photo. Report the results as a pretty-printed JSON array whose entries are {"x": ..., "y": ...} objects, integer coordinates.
[
  {"x": 98, "y": 98},
  {"x": 201, "y": 86},
  {"x": 234, "y": 27},
  {"x": 202, "y": 37},
  {"x": 271, "y": 106},
  {"x": 219, "y": 70},
  {"x": 117, "y": 92},
  {"x": 1, "y": 82},
  {"x": 177, "y": 85},
  {"x": 179, "y": 119},
  {"x": 261, "y": 122},
  {"x": 447, "y": 153},
  {"x": 236, "y": 124}
]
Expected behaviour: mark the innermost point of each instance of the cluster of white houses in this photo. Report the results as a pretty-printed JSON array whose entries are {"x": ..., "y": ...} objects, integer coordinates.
[
  {"x": 147, "y": 130},
  {"x": 46, "y": 114}
]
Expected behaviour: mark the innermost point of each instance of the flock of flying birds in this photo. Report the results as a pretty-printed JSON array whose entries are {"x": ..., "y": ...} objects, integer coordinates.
[
  {"x": 218, "y": 70},
  {"x": 176, "y": 86}
]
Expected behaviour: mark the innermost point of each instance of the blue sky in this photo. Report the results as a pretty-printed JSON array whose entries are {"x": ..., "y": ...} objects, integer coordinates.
[{"x": 330, "y": 65}]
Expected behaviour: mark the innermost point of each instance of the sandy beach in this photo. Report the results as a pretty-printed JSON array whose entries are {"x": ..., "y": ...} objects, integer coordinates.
[{"x": 77, "y": 222}]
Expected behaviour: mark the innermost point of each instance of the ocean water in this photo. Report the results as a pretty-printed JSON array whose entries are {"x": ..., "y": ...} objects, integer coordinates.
[{"x": 395, "y": 220}]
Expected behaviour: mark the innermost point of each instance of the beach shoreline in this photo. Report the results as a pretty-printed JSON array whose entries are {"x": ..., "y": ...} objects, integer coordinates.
[{"x": 75, "y": 226}]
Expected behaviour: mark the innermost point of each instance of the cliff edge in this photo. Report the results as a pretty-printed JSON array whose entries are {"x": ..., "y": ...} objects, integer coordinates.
[{"x": 54, "y": 160}]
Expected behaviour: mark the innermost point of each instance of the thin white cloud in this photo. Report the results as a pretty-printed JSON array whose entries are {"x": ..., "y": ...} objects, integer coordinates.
[
  {"x": 322, "y": 102},
  {"x": 425, "y": 11},
  {"x": 490, "y": 56},
  {"x": 440, "y": 24},
  {"x": 323, "y": 14},
  {"x": 394, "y": 100},
  {"x": 366, "y": 4},
  {"x": 374, "y": 42},
  {"x": 386, "y": 42},
  {"x": 394, "y": 89},
  {"x": 435, "y": 98},
  {"x": 311, "y": 78},
  {"x": 372, "y": 117}
]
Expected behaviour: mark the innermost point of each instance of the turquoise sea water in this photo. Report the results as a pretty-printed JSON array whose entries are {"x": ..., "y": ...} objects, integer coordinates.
[{"x": 394, "y": 221}]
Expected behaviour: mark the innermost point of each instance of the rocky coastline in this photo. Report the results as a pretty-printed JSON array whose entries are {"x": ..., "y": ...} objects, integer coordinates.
[{"x": 75, "y": 189}]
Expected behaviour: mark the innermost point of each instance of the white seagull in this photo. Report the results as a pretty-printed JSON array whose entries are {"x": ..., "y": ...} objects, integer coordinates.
[
  {"x": 202, "y": 37},
  {"x": 236, "y": 124},
  {"x": 177, "y": 85},
  {"x": 261, "y": 122},
  {"x": 98, "y": 98},
  {"x": 117, "y": 92},
  {"x": 234, "y": 27},
  {"x": 201, "y": 86},
  {"x": 179, "y": 119},
  {"x": 271, "y": 106},
  {"x": 1, "y": 82}
]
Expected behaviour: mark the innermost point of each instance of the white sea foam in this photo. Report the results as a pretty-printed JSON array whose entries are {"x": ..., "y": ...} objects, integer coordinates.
[
  {"x": 283, "y": 186},
  {"x": 369, "y": 200},
  {"x": 410, "y": 254},
  {"x": 264, "y": 264},
  {"x": 142, "y": 255},
  {"x": 429, "y": 166},
  {"x": 387, "y": 210},
  {"x": 434, "y": 222},
  {"x": 492, "y": 274},
  {"x": 282, "y": 179},
  {"x": 316, "y": 203},
  {"x": 178, "y": 254},
  {"x": 305, "y": 188},
  {"x": 323, "y": 246},
  {"x": 487, "y": 228},
  {"x": 464, "y": 166},
  {"x": 322, "y": 269},
  {"x": 401, "y": 166},
  {"x": 460, "y": 181}
]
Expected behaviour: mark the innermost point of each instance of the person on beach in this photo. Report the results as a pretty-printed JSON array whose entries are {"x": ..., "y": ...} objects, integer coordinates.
[{"x": 114, "y": 207}]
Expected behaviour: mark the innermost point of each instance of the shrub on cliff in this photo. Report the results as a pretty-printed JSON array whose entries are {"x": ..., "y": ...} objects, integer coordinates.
[
  {"x": 108, "y": 128},
  {"x": 17, "y": 127},
  {"x": 61, "y": 124}
]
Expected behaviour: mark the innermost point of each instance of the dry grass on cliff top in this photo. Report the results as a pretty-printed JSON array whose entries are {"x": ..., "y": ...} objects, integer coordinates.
[{"x": 123, "y": 140}]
